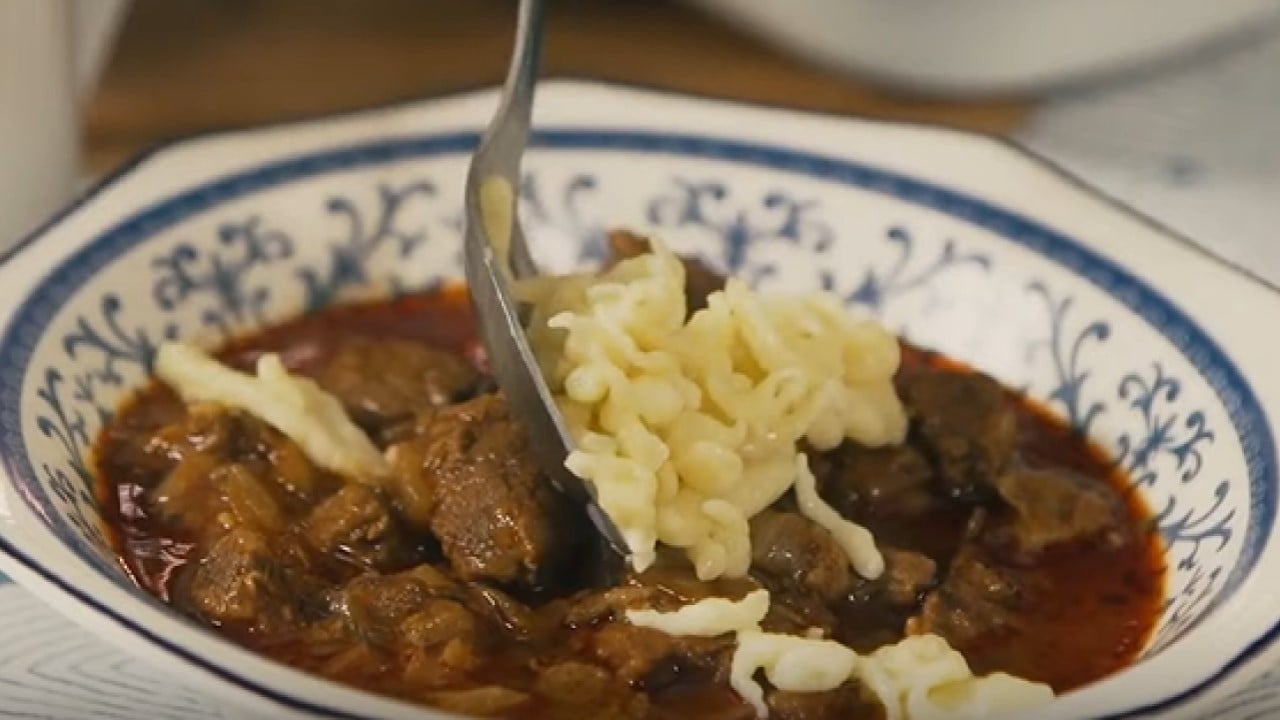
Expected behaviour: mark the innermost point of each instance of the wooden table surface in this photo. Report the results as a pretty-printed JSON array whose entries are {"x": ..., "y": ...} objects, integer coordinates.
[{"x": 184, "y": 66}]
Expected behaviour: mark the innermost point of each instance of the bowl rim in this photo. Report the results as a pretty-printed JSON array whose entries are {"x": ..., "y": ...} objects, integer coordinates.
[{"x": 458, "y": 143}]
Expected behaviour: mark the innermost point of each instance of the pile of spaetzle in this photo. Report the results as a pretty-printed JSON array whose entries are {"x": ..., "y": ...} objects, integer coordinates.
[{"x": 689, "y": 426}]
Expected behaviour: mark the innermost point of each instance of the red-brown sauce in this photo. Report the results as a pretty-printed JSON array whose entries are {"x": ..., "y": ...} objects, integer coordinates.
[{"x": 1087, "y": 614}]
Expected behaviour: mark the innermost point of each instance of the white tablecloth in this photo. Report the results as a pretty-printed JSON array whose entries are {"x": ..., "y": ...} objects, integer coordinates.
[{"x": 1195, "y": 146}]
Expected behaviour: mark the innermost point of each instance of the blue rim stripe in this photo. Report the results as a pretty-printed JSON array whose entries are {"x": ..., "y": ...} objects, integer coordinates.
[{"x": 1248, "y": 417}]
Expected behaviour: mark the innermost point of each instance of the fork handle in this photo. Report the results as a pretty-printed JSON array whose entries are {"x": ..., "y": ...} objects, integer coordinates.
[{"x": 504, "y": 141}]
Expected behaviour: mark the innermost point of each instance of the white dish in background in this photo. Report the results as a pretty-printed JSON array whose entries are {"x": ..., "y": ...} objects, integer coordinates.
[
  {"x": 963, "y": 242},
  {"x": 982, "y": 47},
  {"x": 1165, "y": 145}
]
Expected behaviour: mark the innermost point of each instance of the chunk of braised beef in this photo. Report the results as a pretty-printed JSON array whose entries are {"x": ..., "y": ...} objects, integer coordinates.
[
  {"x": 375, "y": 606},
  {"x": 651, "y": 657},
  {"x": 631, "y": 652},
  {"x": 977, "y": 599},
  {"x": 204, "y": 428},
  {"x": 700, "y": 281},
  {"x": 128, "y": 451},
  {"x": 966, "y": 425},
  {"x": 640, "y": 654},
  {"x": 248, "y": 580},
  {"x": 356, "y": 523},
  {"x": 192, "y": 448},
  {"x": 381, "y": 609},
  {"x": 437, "y": 580},
  {"x": 208, "y": 499},
  {"x": 442, "y": 668},
  {"x": 574, "y": 683},
  {"x": 862, "y": 482},
  {"x": 792, "y": 547},
  {"x": 877, "y": 611},
  {"x": 847, "y": 701},
  {"x": 226, "y": 468},
  {"x": 516, "y": 619},
  {"x": 439, "y": 621},
  {"x": 248, "y": 498},
  {"x": 385, "y": 379},
  {"x": 355, "y": 659},
  {"x": 468, "y": 477},
  {"x": 188, "y": 497},
  {"x": 1056, "y": 506},
  {"x": 795, "y": 611},
  {"x": 594, "y": 606},
  {"x": 907, "y": 576},
  {"x": 578, "y": 689},
  {"x": 292, "y": 470}
]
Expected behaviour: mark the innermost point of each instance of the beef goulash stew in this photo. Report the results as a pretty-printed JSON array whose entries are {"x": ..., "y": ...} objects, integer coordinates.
[{"x": 823, "y": 522}]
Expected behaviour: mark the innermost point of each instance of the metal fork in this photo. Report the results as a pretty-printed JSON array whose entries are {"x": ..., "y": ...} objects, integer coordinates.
[{"x": 495, "y": 253}]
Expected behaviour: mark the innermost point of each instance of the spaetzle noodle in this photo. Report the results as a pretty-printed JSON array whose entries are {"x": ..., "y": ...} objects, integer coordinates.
[{"x": 294, "y": 405}]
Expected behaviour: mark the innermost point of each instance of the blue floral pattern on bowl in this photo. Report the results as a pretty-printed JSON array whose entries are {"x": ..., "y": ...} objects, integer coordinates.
[{"x": 947, "y": 271}]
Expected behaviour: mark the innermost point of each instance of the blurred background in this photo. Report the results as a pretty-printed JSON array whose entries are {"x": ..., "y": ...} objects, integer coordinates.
[
  {"x": 1173, "y": 105},
  {"x": 182, "y": 66}
]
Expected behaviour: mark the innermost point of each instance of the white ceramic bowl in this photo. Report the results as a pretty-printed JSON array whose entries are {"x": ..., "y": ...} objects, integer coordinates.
[
  {"x": 983, "y": 47},
  {"x": 961, "y": 242}
]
